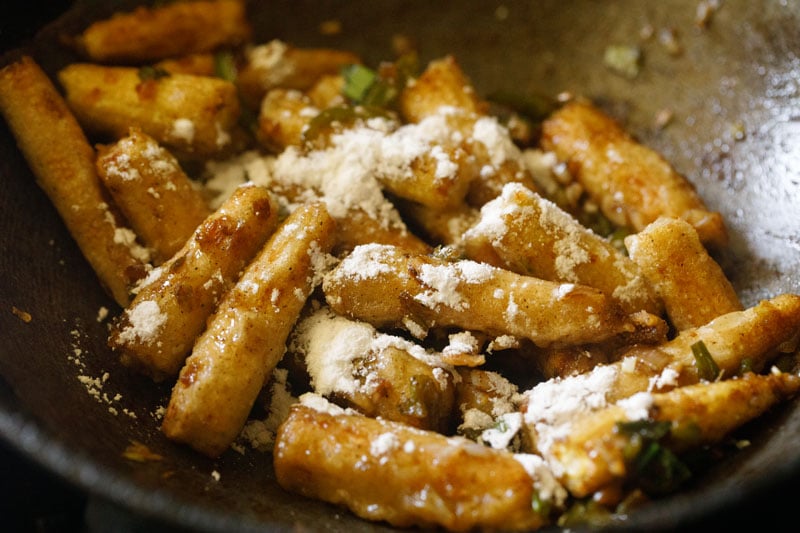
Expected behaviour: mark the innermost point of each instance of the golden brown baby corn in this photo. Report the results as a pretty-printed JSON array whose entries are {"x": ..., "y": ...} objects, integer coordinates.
[
  {"x": 63, "y": 163},
  {"x": 632, "y": 184},
  {"x": 157, "y": 330},
  {"x": 246, "y": 335},
  {"x": 160, "y": 202},
  {"x": 192, "y": 116},
  {"x": 168, "y": 30}
]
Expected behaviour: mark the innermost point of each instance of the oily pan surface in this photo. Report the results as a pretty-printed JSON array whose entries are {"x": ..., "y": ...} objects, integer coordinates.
[{"x": 734, "y": 133}]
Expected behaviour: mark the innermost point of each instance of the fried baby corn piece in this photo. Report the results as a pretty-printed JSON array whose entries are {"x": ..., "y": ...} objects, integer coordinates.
[
  {"x": 438, "y": 180},
  {"x": 444, "y": 89},
  {"x": 423, "y": 163},
  {"x": 354, "y": 226},
  {"x": 246, "y": 335},
  {"x": 632, "y": 184},
  {"x": 283, "y": 116},
  {"x": 569, "y": 360},
  {"x": 63, "y": 162},
  {"x": 386, "y": 471},
  {"x": 377, "y": 374},
  {"x": 192, "y": 116},
  {"x": 737, "y": 340},
  {"x": 168, "y": 30},
  {"x": 420, "y": 162},
  {"x": 387, "y": 287},
  {"x": 357, "y": 228},
  {"x": 595, "y": 452},
  {"x": 442, "y": 84},
  {"x": 344, "y": 177},
  {"x": 525, "y": 233},
  {"x": 278, "y": 64},
  {"x": 157, "y": 330},
  {"x": 692, "y": 285},
  {"x": 160, "y": 202}
]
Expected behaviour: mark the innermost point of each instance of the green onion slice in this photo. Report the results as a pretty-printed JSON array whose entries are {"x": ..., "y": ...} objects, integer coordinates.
[
  {"x": 149, "y": 72},
  {"x": 707, "y": 368},
  {"x": 225, "y": 66}
]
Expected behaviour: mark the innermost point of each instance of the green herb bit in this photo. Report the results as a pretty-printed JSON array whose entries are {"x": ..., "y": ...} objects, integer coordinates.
[
  {"x": 645, "y": 428},
  {"x": 659, "y": 471},
  {"x": 540, "y": 506},
  {"x": 380, "y": 88},
  {"x": 501, "y": 425},
  {"x": 585, "y": 511},
  {"x": 688, "y": 433},
  {"x": 358, "y": 80},
  {"x": 707, "y": 368},
  {"x": 380, "y": 94},
  {"x": 149, "y": 72},
  {"x": 654, "y": 467},
  {"x": 225, "y": 66}
]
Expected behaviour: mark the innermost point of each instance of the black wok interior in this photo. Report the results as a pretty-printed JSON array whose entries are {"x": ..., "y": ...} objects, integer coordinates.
[{"x": 738, "y": 75}]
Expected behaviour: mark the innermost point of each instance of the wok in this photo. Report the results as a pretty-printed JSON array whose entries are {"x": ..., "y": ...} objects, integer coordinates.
[{"x": 735, "y": 132}]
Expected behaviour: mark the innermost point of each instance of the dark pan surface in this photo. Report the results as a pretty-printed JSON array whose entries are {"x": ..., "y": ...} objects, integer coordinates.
[{"x": 735, "y": 133}]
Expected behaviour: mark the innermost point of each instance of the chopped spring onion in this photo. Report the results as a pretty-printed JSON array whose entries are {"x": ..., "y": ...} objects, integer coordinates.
[
  {"x": 540, "y": 506},
  {"x": 707, "y": 368},
  {"x": 149, "y": 72},
  {"x": 654, "y": 467},
  {"x": 364, "y": 86},
  {"x": 358, "y": 80},
  {"x": 225, "y": 66}
]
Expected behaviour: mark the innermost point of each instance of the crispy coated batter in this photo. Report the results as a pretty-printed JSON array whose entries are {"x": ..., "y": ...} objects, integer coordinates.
[{"x": 632, "y": 184}]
